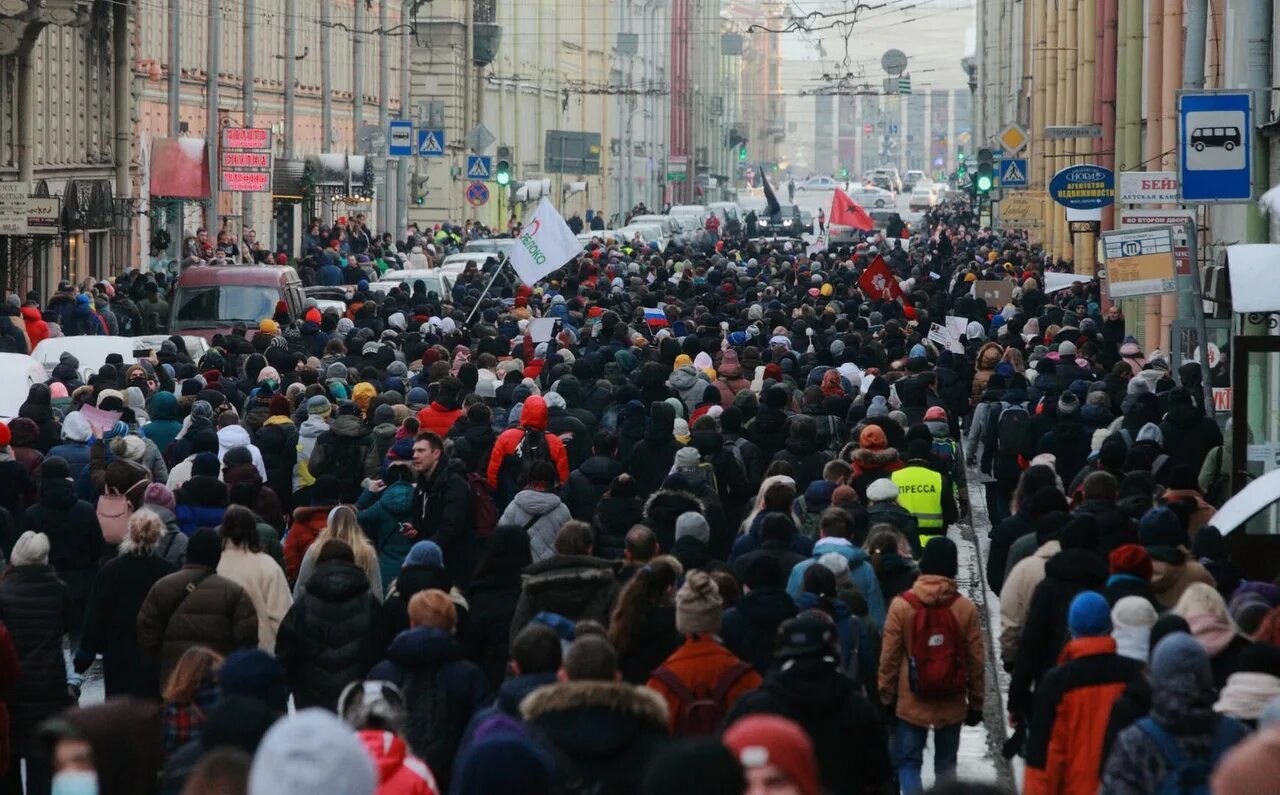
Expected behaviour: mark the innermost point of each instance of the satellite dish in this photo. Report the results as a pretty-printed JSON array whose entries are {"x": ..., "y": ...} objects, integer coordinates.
[{"x": 894, "y": 62}]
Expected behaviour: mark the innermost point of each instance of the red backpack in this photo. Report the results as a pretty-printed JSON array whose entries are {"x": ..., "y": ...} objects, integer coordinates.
[
  {"x": 702, "y": 713},
  {"x": 936, "y": 656},
  {"x": 486, "y": 512}
]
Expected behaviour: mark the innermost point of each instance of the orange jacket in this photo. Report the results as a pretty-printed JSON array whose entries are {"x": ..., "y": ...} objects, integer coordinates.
[
  {"x": 438, "y": 418},
  {"x": 308, "y": 523},
  {"x": 532, "y": 417},
  {"x": 1069, "y": 720},
  {"x": 699, "y": 663}
]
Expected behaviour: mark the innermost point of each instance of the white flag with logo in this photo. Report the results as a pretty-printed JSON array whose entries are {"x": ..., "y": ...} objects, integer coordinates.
[{"x": 546, "y": 243}]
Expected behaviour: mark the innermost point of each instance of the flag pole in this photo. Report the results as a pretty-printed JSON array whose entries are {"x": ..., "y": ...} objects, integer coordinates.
[{"x": 480, "y": 300}]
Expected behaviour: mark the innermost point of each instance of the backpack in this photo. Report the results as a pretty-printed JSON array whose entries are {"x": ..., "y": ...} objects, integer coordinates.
[
  {"x": 701, "y": 714},
  {"x": 936, "y": 656},
  {"x": 431, "y": 728},
  {"x": 1012, "y": 430},
  {"x": 809, "y": 520},
  {"x": 113, "y": 512},
  {"x": 1185, "y": 776},
  {"x": 531, "y": 449},
  {"x": 486, "y": 511}
]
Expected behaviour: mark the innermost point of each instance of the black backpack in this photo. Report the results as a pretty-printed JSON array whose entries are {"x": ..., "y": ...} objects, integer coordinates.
[{"x": 514, "y": 473}]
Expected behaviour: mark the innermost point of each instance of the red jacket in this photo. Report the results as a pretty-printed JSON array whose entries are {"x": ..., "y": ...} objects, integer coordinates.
[
  {"x": 37, "y": 329},
  {"x": 438, "y": 418},
  {"x": 9, "y": 672},
  {"x": 533, "y": 417},
  {"x": 308, "y": 522},
  {"x": 398, "y": 772},
  {"x": 699, "y": 663},
  {"x": 1069, "y": 721}
]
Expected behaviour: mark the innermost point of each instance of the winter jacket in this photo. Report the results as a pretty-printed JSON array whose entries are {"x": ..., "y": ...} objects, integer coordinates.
[
  {"x": 870, "y": 466},
  {"x": 533, "y": 417},
  {"x": 413, "y": 579},
  {"x": 331, "y": 636},
  {"x": 1072, "y": 705},
  {"x": 76, "y": 454},
  {"x": 438, "y": 418},
  {"x": 1194, "y": 433},
  {"x": 685, "y": 384},
  {"x": 1015, "y": 597},
  {"x": 309, "y": 432},
  {"x": 41, "y": 413},
  {"x": 236, "y": 436},
  {"x": 164, "y": 425},
  {"x": 491, "y": 605},
  {"x": 1170, "y": 580},
  {"x": 9, "y": 676},
  {"x": 510, "y": 694},
  {"x": 346, "y": 451},
  {"x": 750, "y": 628},
  {"x": 307, "y": 524},
  {"x": 1002, "y": 537},
  {"x": 441, "y": 691},
  {"x": 652, "y": 638},
  {"x": 575, "y": 586},
  {"x": 860, "y": 572},
  {"x": 443, "y": 513},
  {"x": 988, "y": 357},
  {"x": 602, "y": 733},
  {"x": 1044, "y": 633},
  {"x": 35, "y": 607},
  {"x": 587, "y": 484},
  {"x": 894, "y": 673},
  {"x": 381, "y": 516},
  {"x": 194, "y": 607},
  {"x": 75, "y": 540},
  {"x": 849, "y": 740},
  {"x": 693, "y": 554},
  {"x": 263, "y": 580},
  {"x": 663, "y": 508},
  {"x": 111, "y": 624},
  {"x": 610, "y": 521},
  {"x": 750, "y": 542},
  {"x": 278, "y": 441},
  {"x": 173, "y": 544},
  {"x": 541, "y": 514},
  {"x": 698, "y": 664},
  {"x": 777, "y": 549},
  {"x": 399, "y": 772},
  {"x": 1070, "y": 443},
  {"x": 472, "y": 444},
  {"x": 806, "y": 458}
]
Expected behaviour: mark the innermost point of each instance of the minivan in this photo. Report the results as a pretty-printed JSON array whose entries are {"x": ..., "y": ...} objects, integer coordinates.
[{"x": 210, "y": 299}]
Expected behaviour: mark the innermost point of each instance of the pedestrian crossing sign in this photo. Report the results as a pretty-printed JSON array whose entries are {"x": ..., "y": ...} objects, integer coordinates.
[
  {"x": 1013, "y": 173},
  {"x": 478, "y": 167},
  {"x": 431, "y": 143}
]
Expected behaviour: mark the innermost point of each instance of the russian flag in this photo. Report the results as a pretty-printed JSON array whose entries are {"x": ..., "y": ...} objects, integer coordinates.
[{"x": 655, "y": 317}]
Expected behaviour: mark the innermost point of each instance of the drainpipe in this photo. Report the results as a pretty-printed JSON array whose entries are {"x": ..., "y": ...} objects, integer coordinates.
[
  {"x": 1069, "y": 65},
  {"x": 1038, "y": 116},
  {"x": 250, "y": 99},
  {"x": 1133, "y": 86},
  {"x": 1195, "y": 20},
  {"x": 402, "y": 178},
  {"x": 386, "y": 198},
  {"x": 1153, "y": 112},
  {"x": 290, "y": 77},
  {"x": 1171, "y": 70},
  {"x": 357, "y": 71},
  {"x": 212, "y": 126},
  {"x": 175, "y": 108},
  {"x": 1106, "y": 99},
  {"x": 326, "y": 81},
  {"x": 1051, "y": 92},
  {"x": 1257, "y": 76},
  {"x": 121, "y": 78}
]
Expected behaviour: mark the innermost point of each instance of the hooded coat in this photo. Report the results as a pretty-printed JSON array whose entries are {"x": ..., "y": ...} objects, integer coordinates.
[
  {"x": 348, "y": 452},
  {"x": 236, "y": 436},
  {"x": 750, "y": 628},
  {"x": 75, "y": 539},
  {"x": 332, "y": 636},
  {"x": 652, "y": 458},
  {"x": 861, "y": 574},
  {"x": 685, "y": 384},
  {"x": 588, "y": 483},
  {"x": 575, "y": 586},
  {"x": 111, "y": 623},
  {"x": 533, "y": 418},
  {"x": 541, "y": 514},
  {"x": 165, "y": 425},
  {"x": 381, "y": 516},
  {"x": 36, "y": 609},
  {"x": 278, "y": 441}
]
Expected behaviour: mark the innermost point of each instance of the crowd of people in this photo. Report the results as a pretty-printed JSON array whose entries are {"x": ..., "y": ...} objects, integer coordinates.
[{"x": 700, "y": 538}]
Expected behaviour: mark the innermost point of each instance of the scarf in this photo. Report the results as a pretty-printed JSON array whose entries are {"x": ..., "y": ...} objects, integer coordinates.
[{"x": 1246, "y": 695}]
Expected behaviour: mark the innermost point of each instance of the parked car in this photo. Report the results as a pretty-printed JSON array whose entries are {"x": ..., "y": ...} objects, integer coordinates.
[
  {"x": 922, "y": 198},
  {"x": 436, "y": 280},
  {"x": 912, "y": 178},
  {"x": 873, "y": 197},
  {"x": 490, "y": 245},
  {"x": 211, "y": 299},
  {"x": 21, "y": 372},
  {"x": 818, "y": 183}
]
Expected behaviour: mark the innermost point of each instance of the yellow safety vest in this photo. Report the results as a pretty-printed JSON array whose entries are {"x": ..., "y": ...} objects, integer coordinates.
[{"x": 920, "y": 492}]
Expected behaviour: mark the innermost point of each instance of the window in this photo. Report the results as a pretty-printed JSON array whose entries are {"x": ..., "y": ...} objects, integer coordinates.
[{"x": 203, "y": 306}]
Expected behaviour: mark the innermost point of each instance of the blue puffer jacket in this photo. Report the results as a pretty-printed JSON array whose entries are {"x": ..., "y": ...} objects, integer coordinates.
[
  {"x": 380, "y": 517},
  {"x": 860, "y": 571}
]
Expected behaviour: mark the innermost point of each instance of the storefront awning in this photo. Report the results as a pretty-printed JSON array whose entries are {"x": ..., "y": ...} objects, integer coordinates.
[
  {"x": 179, "y": 168},
  {"x": 287, "y": 181}
]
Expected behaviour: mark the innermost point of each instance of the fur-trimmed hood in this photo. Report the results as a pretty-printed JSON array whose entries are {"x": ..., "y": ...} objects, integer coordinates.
[
  {"x": 874, "y": 459},
  {"x": 639, "y": 703}
]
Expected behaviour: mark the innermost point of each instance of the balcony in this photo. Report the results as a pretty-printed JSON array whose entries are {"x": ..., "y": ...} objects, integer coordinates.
[{"x": 21, "y": 18}]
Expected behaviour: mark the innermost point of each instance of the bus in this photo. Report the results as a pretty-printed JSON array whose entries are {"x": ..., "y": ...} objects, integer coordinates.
[{"x": 1226, "y": 137}]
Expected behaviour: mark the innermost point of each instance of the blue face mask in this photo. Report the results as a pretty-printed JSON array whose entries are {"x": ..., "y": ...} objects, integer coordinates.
[{"x": 75, "y": 782}]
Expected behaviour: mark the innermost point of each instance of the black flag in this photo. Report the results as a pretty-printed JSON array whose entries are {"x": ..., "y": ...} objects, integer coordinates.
[{"x": 773, "y": 209}]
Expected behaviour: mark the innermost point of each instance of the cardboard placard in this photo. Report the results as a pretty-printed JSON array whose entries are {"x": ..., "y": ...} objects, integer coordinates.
[{"x": 996, "y": 293}]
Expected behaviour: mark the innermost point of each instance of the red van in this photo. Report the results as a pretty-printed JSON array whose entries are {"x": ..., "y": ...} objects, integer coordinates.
[{"x": 211, "y": 299}]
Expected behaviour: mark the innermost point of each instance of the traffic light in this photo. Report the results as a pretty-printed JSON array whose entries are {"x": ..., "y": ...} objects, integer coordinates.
[
  {"x": 844, "y": 173},
  {"x": 742, "y": 153},
  {"x": 503, "y": 173},
  {"x": 419, "y": 190},
  {"x": 986, "y": 172}
]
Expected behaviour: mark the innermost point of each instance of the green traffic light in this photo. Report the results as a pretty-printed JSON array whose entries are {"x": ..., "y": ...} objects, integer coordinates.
[
  {"x": 844, "y": 172},
  {"x": 502, "y": 174},
  {"x": 742, "y": 154},
  {"x": 504, "y": 178},
  {"x": 984, "y": 183}
]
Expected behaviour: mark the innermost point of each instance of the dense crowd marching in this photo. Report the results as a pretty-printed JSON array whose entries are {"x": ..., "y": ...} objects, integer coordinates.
[{"x": 703, "y": 548}]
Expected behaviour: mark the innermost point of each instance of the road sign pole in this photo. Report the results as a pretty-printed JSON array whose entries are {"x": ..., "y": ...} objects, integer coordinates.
[
  {"x": 479, "y": 300},
  {"x": 1202, "y": 334}
]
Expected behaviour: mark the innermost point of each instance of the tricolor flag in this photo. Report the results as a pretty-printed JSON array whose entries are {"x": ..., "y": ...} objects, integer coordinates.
[{"x": 655, "y": 317}]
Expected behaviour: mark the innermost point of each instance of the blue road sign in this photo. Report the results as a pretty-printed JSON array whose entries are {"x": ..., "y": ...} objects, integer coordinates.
[
  {"x": 1013, "y": 173},
  {"x": 477, "y": 194},
  {"x": 431, "y": 143},
  {"x": 400, "y": 139},
  {"x": 479, "y": 167},
  {"x": 1083, "y": 187},
  {"x": 1215, "y": 146}
]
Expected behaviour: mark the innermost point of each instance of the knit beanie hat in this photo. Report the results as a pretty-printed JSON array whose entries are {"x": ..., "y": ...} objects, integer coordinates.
[
  {"x": 252, "y": 673},
  {"x": 940, "y": 558},
  {"x": 699, "y": 607},
  {"x": 872, "y": 438},
  {"x": 686, "y": 457},
  {"x": 425, "y": 553},
  {"x": 1068, "y": 404},
  {"x": 1161, "y": 531},
  {"x": 205, "y": 465},
  {"x": 882, "y": 490},
  {"x": 1177, "y": 655},
  {"x": 773, "y": 741},
  {"x": 694, "y": 525},
  {"x": 505, "y": 761},
  {"x": 1130, "y": 559},
  {"x": 1132, "y": 612},
  {"x": 312, "y": 752},
  {"x": 204, "y": 548},
  {"x": 319, "y": 405},
  {"x": 1089, "y": 615},
  {"x": 159, "y": 494},
  {"x": 694, "y": 767}
]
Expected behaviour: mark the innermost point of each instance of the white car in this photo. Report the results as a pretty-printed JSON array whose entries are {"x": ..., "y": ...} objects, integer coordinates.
[
  {"x": 21, "y": 372},
  {"x": 607, "y": 235},
  {"x": 490, "y": 245},
  {"x": 462, "y": 259},
  {"x": 922, "y": 198},
  {"x": 649, "y": 233},
  {"x": 664, "y": 222},
  {"x": 698, "y": 212},
  {"x": 872, "y": 197},
  {"x": 818, "y": 183},
  {"x": 437, "y": 281}
]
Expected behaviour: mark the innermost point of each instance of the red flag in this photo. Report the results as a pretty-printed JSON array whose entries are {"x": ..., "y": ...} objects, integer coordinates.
[
  {"x": 877, "y": 281},
  {"x": 847, "y": 212}
]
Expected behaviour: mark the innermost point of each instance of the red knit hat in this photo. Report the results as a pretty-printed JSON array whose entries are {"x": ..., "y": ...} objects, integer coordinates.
[
  {"x": 1130, "y": 559},
  {"x": 771, "y": 741},
  {"x": 935, "y": 414},
  {"x": 872, "y": 438},
  {"x": 312, "y": 315},
  {"x": 5, "y": 436}
]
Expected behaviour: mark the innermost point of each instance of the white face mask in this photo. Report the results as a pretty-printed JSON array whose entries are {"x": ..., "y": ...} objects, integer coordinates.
[{"x": 75, "y": 782}]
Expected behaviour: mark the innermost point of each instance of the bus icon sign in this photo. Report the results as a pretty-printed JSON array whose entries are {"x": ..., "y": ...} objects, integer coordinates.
[
  {"x": 1215, "y": 146},
  {"x": 1226, "y": 137}
]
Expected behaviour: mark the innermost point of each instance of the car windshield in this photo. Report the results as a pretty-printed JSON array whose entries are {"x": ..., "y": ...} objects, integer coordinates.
[
  {"x": 489, "y": 246},
  {"x": 196, "y": 307}
]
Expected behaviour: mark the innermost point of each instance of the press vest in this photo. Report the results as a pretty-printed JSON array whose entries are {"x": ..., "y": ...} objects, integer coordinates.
[{"x": 920, "y": 492}]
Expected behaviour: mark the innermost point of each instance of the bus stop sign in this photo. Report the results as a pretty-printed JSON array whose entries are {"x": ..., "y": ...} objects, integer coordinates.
[{"x": 1215, "y": 146}]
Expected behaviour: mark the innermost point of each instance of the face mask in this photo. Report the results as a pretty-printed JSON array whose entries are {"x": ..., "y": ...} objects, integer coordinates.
[{"x": 75, "y": 782}]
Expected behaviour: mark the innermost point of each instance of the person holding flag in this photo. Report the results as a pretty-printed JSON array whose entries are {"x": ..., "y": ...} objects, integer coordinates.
[{"x": 847, "y": 212}]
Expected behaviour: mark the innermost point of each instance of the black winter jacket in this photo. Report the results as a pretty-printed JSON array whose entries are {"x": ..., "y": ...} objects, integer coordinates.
[
  {"x": 491, "y": 602},
  {"x": 278, "y": 442},
  {"x": 111, "y": 625},
  {"x": 587, "y": 485},
  {"x": 750, "y": 628},
  {"x": 331, "y": 636},
  {"x": 574, "y": 586},
  {"x": 75, "y": 540},
  {"x": 35, "y": 606},
  {"x": 612, "y": 518},
  {"x": 442, "y": 512}
]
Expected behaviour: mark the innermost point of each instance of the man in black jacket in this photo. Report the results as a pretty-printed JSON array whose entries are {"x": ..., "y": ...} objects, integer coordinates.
[
  {"x": 442, "y": 507},
  {"x": 588, "y": 483},
  {"x": 809, "y": 688}
]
